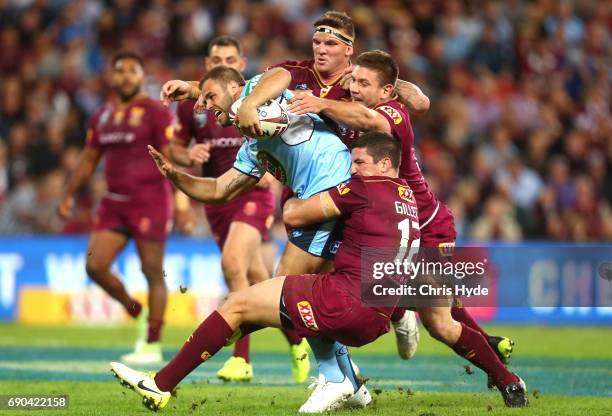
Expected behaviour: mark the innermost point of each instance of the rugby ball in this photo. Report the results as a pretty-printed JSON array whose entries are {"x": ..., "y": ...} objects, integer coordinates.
[{"x": 273, "y": 118}]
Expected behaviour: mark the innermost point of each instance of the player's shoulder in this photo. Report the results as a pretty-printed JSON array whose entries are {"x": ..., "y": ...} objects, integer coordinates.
[
  {"x": 294, "y": 65},
  {"x": 394, "y": 110}
]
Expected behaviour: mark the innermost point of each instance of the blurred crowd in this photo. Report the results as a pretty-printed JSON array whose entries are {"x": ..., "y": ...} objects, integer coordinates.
[{"x": 518, "y": 140}]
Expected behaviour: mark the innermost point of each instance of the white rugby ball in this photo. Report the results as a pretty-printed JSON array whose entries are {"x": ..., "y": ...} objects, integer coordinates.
[{"x": 273, "y": 118}]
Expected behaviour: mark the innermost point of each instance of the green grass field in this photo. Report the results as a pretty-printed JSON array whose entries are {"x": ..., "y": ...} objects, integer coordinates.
[{"x": 568, "y": 371}]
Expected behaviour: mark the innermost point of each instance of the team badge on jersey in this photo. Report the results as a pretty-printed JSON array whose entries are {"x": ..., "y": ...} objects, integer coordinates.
[
  {"x": 343, "y": 189},
  {"x": 391, "y": 112},
  {"x": 446, "y": 249},
  {"x": 270, "y": 164},
  {"x": 405, "y": 193},
  {"x": 118, "y": 116},
  {"x": 136, "y": 114},
  {"x": 305, "y": 310},
  {"x": 324, "y": 91}
]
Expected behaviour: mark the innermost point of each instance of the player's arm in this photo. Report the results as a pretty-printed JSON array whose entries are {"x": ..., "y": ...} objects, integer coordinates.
[
  {"x": 349, "y": 113},
  {"x": 182, "y": 155},
  {"x": 302, "y": 212},
  {"x": 178, "y": 90},
  {"x": 272, "y": 84},
  {"x": 209, "y": 190},
  {"x": 88, "y": 160},
  {"x": 411, "y": 96}
]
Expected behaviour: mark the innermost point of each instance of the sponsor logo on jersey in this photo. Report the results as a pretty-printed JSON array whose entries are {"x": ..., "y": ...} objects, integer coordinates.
[
  {"x": 391, "y": 112},
  {"x": 271, "y": 165},
  {"x": 104, "y": 117},
  {"x": 136, "y": 114},
  {"x": 297, "y": 233},
  {"x": 343, "y": 188},
  {"x": 301, "y": 87},
  {"x": 307, "y": 315},
  {"x": 405, "y": 193}
]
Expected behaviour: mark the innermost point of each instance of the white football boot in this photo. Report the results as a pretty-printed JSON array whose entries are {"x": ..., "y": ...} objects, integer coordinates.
[
  {"x": 406, "y": 335},
  {"x": 142, "y": 383},
  {"x": 326, "y": 395}
]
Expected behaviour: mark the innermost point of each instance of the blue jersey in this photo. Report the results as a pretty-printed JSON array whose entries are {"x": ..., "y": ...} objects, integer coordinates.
[{"x": 308, "y": 157}]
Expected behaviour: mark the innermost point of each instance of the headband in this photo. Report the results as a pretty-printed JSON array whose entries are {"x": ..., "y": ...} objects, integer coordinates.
[{"x": 335, "y": 33}]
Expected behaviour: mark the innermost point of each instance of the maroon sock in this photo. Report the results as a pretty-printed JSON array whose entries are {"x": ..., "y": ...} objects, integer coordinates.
[
  {"x": 241, "y": 348},
  {"x": 472, "y": 346},
  {"x": 134, "y": 308},
  {"x": 154, "y": 333},
  {"x": 460, "y": 314},
  {"x": 398, "y": 314},
  {"x": 292, "y": 337},
  {"x": 206, "y": 341}
]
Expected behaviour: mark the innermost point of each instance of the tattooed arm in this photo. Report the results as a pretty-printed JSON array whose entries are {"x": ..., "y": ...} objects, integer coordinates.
[{"x": 209, "y": 190}]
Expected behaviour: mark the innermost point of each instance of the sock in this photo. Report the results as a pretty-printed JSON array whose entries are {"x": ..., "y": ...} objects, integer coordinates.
[
  {"x": 460, "y": 314},
  {"x": 154, "y": 331},
  {"x": 203, "y": 343},
  {"x": 325, "y": 353},
  {"x": 292, "y": 337},
  {"x": 241, "y": 348},
  {"x": 134, "y": 308},
  {"x": 344, "y": 362},
  {"x": 397, "y": 314},
  {"x": 473, "y": 346}
]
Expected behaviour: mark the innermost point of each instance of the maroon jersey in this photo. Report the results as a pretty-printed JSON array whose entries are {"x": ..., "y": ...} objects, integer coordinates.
[
  {"x": 304, "y": 77},
  {"x": 401, "y": 128},
  {"x": 203, "y": 127},
  {"x": 380, "y": 212},
  {"x": 122, "y": 133}
]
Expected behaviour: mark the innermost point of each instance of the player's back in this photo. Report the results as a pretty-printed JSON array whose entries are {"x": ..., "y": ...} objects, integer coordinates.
[
  {"x": 122, "y": 133},
  {"x": 381, "y": 212},
  {"x": 401, "y": 128}
]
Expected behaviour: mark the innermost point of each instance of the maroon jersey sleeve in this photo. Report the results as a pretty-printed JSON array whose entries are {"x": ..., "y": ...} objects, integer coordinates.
[
  {"x": 396, "y": 115},
  {"x": 350, "y": 196},
  {"x": 184, "y": 130}
]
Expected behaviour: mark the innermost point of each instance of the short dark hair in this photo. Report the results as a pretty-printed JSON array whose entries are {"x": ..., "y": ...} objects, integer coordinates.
[
  {"x": 382, "y": 63},
  {"x": 225, "y": 41},
  {"x": 126, "y": 54},
  {"x": 224, "y": 74},
  {"x": 338, "y": 20},
  {"x": 380, "y": 145}
]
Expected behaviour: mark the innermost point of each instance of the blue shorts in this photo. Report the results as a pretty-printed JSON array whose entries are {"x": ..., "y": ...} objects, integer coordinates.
[{"x": 321, "y": 240}]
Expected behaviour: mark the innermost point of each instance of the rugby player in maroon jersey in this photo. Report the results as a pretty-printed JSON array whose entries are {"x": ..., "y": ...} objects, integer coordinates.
[
  {"x": 137, "y": 203},
  {"x": 238, "y": 226},
  {"x": 374, "y": 108}
]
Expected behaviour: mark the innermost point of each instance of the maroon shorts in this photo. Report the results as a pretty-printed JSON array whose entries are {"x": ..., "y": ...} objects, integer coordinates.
[
  {"x": 440, "y": 230},
  {"x": 145, "y": 218},
  {"x": 325, "y": 305},
  {"x": 255, "y": 208}
]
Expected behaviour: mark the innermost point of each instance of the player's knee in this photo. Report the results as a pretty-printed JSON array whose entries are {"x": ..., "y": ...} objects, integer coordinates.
[
  {"x": 95, "y": 270},
  {"x": 236, "y": 303}
]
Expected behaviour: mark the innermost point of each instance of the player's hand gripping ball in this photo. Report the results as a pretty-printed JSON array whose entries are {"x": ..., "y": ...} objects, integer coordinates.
[{"x": 273, "y": 118}]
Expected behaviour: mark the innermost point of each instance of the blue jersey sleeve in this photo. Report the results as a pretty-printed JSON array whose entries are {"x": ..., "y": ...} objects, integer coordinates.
[{"x": 246, "y": 161}]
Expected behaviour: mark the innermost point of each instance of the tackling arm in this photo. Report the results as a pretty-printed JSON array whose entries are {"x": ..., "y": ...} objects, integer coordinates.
[
  {"x": 317, "y": 208},
  {"x": 356, "y": 116}
]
